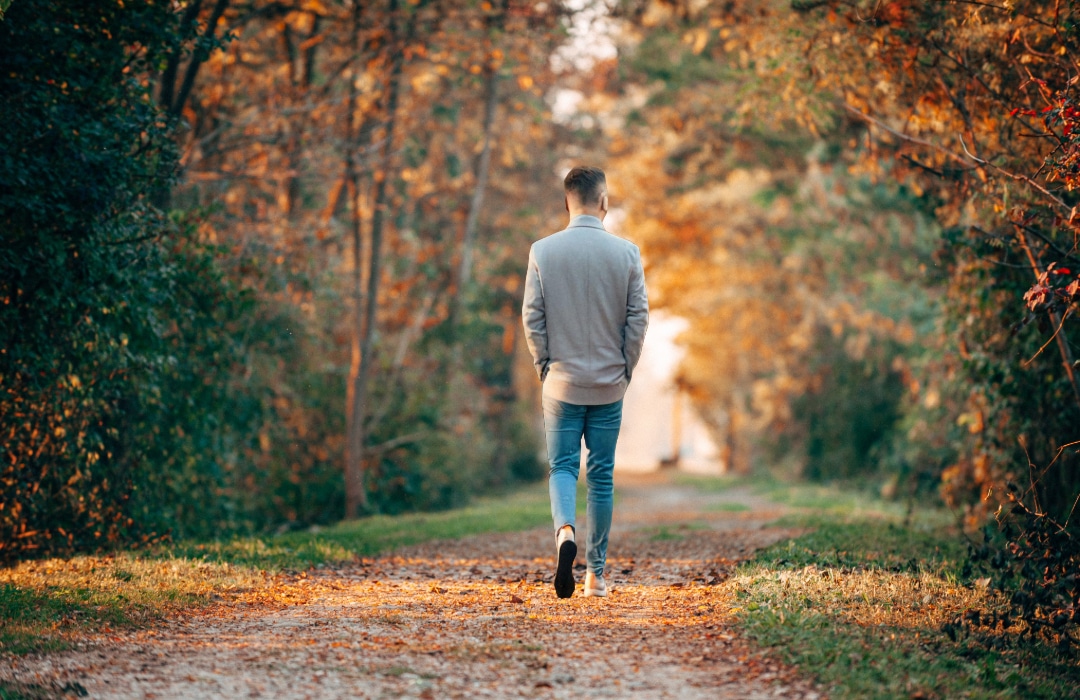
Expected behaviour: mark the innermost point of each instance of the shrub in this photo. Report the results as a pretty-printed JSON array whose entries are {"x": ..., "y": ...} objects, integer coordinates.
[{"x": 1035, "y": 560}]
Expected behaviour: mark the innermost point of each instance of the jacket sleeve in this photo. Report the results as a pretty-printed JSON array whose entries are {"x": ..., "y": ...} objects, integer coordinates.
[
  {"x": 534, "y": 319},
  {"x": 637, "y": 315}
]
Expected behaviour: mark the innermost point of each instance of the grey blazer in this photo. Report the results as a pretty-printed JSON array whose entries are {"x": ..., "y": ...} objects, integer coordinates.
[{"x": 585, "y": 312}]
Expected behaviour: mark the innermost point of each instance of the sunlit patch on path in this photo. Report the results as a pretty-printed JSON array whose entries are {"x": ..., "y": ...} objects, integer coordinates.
[{"x": 469, "y": 618}]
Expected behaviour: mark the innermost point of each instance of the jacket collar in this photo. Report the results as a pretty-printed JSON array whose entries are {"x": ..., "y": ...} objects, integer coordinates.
[{"x": 586, "y": 221}]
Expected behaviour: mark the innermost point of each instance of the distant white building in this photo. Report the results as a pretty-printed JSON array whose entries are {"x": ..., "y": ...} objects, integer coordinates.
[{"x": 660, "y": 425}]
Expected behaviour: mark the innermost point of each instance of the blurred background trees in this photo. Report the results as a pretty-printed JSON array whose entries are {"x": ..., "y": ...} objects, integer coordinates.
[
  {"x": 217, "y": 216},
  {"x": 858, "y": 197},
  {"x": 345, "y": 152},
  {"x": 262, "y": 260},
  {"x": 805, "y": 276}
]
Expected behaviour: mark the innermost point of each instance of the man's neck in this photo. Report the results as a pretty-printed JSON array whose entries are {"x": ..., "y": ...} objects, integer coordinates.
[{"x": 586, "y": 211}]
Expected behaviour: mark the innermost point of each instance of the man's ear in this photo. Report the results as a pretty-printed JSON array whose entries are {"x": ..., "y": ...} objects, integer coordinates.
[
  {"x": 566, "y": 203},
  {"x": 603, "y": 202}
]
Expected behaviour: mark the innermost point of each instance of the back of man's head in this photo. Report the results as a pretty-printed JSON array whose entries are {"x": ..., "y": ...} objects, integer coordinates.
[{"x": 586, "y": 183}]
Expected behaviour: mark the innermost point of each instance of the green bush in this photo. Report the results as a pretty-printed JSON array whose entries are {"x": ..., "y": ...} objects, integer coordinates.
[
  {"x": 80, "y": 273},
  {"x": 841, "y": 425},
  {"x": 152, "y": 384},
  {"x": 118, "y": 363}
]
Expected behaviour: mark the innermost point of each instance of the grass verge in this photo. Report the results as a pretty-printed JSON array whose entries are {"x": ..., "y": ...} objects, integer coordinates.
[
  {"x": 860, "y": 602},
  {"x": 44, "y": 603}
]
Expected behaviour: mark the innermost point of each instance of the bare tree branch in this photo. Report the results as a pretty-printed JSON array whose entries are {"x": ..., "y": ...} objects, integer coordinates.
[
  {"x": 197, "y": 59},
  {"x": 168, "y": 78},
  {"x": 1019, "y": 178},
  {"x": 906, "y": 137},
  {"x": 1045, "y": 239}
]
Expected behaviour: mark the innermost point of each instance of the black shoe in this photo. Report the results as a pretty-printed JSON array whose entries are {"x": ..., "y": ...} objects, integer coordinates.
[{"x": 564, "y": 574}]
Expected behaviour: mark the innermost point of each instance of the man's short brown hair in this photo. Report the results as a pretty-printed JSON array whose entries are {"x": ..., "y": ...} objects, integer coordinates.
[{"x": 586, "y": 182}]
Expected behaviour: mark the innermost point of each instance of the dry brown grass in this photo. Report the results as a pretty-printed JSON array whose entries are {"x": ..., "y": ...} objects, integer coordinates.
[
  {"x": 871, "y": 606},
  {"x": 47, "y": 603},
  {"x": 130, "y": 575},
  {"x": 873, "y": 597}
]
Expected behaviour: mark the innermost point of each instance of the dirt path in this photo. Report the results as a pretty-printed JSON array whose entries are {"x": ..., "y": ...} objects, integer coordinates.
[{"x": 471, "y": 618}]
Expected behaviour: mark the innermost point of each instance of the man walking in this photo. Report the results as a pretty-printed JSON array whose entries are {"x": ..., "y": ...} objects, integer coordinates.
[{"x": 585, "y": 314}]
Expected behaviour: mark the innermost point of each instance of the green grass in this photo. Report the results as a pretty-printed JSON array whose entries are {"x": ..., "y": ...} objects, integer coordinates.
[
  {"x": 713, "y": 484},
  {"x": 519, "y": 510},
  {"x": 728, "y": 508},
  {"x": 858, "y": 604},
  {"x": 10, "y": 690},
  {"x": 674, "y": 532},
  {"x": 43, "y": 602},
  {"x": 31, "y": 613},
  {"x": 827, "y": 499}
]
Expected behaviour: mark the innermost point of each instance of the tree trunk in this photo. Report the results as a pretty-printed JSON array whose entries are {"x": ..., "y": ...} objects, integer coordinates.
[
  {"x": 172, "y": 99},
  {"x": 355, "y": 490},
  {"x": 357, "y": 497},
  {"x": 729, "y": 440},
  {"x": 196, "y": 61},
  {"x": 300, "y": 84},
  {"x": 167, "y": 88},
  {"x": 483, "y": 169}
]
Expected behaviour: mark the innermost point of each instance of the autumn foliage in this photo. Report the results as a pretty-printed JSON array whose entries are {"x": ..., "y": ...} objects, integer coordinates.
[
  {"x": 768, "y": 124},
  {"x": 218, "y": 217},
  {"x": 262, "y": 262}
]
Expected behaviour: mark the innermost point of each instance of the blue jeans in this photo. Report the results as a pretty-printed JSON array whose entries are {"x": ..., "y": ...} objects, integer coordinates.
[{"x": 565, "y": 425}]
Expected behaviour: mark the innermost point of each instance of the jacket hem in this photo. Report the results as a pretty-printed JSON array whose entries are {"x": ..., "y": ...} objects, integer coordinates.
[{"x": 583, "y": 395}]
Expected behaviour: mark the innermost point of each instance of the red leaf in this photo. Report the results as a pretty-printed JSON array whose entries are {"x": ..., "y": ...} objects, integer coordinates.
[{"x": 1036, "y": 296}]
